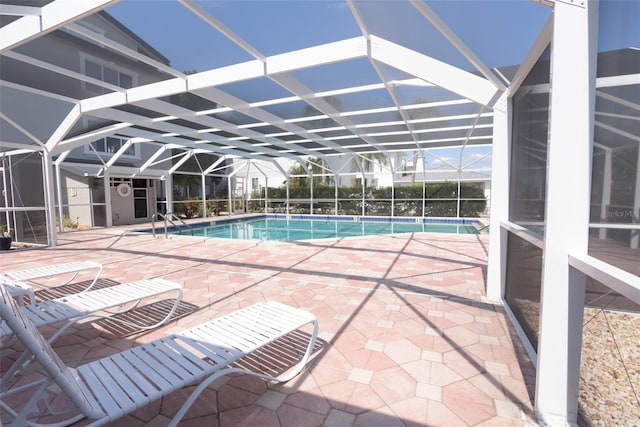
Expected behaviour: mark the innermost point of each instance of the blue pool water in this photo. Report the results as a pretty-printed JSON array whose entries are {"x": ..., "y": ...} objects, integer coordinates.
[{"x": 306, "y": 229}]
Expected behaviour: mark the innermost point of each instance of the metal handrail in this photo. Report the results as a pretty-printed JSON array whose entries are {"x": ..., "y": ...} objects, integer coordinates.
[{"x": 167, "y": 218}]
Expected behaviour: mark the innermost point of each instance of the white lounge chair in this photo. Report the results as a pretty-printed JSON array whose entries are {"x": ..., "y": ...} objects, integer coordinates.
[
  {"x": 97, "y": 303},
  {"x": 21, "y": 282},
  {"x": 103, "y": 302},
  {"x": 108, "y": 388}
]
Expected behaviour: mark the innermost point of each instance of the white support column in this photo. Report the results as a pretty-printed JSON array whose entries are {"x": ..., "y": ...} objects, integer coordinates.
[
  {"x": 59, "y": 192},
  {"x": 168, "y": 192},
  {"x": 204, "y": 196},
  {"x": 635, "y": 234},
  {"x": 606, "y": 190},
  {"x": 424, "y": 196},
  {"x": 499, "y": 206},
  {"x": 311, "y": 191},
  {"x": 567, "y": 210},
  {"x": 108, "y": 209},
  {"x": 458, "y": 201},
  {"x": 49, "y": 198},
  {"x": 287, "y": 205},
  {"x": 364, "y": 184},
  {"x": 229, "y": 199},
  {"x": 335, "y": 195},
  {"x": 266, "y": 194}
]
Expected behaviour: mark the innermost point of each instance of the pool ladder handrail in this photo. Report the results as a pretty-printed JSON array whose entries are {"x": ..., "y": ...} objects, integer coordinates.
[{"x": 167, "y": 218}]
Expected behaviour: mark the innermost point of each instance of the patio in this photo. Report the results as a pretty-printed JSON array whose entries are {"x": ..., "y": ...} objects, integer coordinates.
[{"x": 407, "y": 336}]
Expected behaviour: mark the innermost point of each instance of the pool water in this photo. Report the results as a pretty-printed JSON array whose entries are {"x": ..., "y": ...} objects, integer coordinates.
[{"x": 297, "y": 229}]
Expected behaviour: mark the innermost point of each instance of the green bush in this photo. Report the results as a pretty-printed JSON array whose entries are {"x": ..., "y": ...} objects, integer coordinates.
[
  {"x": 407, "y": 199},
  {"x": 192, "y": 209}
]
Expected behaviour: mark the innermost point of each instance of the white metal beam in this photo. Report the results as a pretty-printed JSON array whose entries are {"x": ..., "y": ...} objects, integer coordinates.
[
  {"x": 457, "y": 42},
  {"x": 22, "y": 130},
  {"x": 211, "y": 122},
  {"x": 180, "y": 143},
  {"x": 572, "y": 107},
  {"x": 176, "y": 166},
  {"x": 328, "y": 53},
  {"x": 439, "y": 73},
  {"x": 27, "y": 89},
  {"x": 226, "y": 31},
  {"x": 152, "y": 158},
  {"x": 52, "y": 16},
  {"x": 214, "y": 165},
  {"x": 80, "y": 140},
  {"x": 294, "y": 86},
  {"x": 175, "y": 130},
  {"x": 541, "y": 43},
  {"x": 126, "y": 51},
  {"x": 18, "y": 10},
  {"x": 499, "y": 204},
  {"x": 218, "y": 96},
  {"x": 60, "y": 70},
  {"x": 67, "y": 123}
]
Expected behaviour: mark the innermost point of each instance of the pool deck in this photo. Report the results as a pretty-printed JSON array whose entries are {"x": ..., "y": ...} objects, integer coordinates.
[{"x": 407, "y": 337}]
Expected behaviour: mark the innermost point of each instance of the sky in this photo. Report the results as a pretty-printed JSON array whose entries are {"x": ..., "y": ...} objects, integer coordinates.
[{"x": 499, "y": 32}]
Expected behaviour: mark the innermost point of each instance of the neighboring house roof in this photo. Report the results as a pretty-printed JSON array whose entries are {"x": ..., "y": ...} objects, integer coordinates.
[
  {"x": 144, "y": 47},
  {"x": 451, "y": 175}
]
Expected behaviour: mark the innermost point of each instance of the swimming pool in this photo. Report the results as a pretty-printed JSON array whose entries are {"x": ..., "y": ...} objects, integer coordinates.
[{"x": 300, "y": 228}]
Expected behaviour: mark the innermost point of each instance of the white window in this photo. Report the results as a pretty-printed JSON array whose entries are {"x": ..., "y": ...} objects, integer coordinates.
[
  {"x": 109, "y": 145},
  {"x": 108, "y": 73},
  {"x": 255, "y": 183}
]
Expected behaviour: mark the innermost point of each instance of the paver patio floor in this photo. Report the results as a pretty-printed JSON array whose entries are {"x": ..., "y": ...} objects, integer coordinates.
[{"x": 407, "y": 337}]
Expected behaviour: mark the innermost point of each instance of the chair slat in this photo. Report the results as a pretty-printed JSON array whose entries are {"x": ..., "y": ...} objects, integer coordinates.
[
  {"x": 52, "y": 270},
  {"x": 95, "y": 383},
  {"x": 124, "y": 381},
  {"x": 125, "y": 365},
  {"x": 110, "y": 387}
]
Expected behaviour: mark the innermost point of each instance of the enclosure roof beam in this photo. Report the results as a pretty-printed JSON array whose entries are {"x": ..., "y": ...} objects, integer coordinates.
[
  {"x": 80, "y": 140},
  {"x": 183, "y": 144},
  {"x": 152, "y": 158},
  {"x": 175, "y": 110},
  {"x": 441, "y": 74},
  {"x": 170, "y": 129},
  {"x": 457, "y": 42},
  {"x": 51, "y": 17},
  {"x": 187, "y": 156},
  {"x": 214, "y": 165}
]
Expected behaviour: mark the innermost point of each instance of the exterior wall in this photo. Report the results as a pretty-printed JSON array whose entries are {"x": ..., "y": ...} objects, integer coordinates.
[
  {"x": 123, "y": 207},
  {"x": 42, "y": 115},
  {"x": 76, "y": 195}
]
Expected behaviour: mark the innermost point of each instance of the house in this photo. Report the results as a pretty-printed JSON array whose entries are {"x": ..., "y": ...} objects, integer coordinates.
[{"x": 109, "y": 181}]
